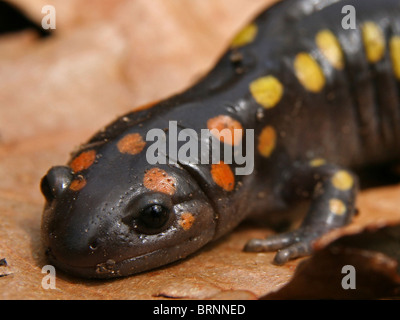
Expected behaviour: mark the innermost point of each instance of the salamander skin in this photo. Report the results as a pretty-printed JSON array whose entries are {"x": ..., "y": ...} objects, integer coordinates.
[{"x": 323, "y": 102}]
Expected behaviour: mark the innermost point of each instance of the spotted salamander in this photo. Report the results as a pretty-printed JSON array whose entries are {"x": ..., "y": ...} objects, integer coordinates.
[{"x": 322, "y": 100}]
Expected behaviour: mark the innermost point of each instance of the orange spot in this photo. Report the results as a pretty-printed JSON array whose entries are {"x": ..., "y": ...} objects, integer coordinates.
[
  {"x": 83, "y": 161},
  {"x": 131, "y": 144},
  {"x": 267, "y": 141},
  {"x": 78, "y": 184},
  {"x": 229, "y": 136},
  {"x": 223, "y": 176},
  {"x": 186, "y": 221},
  {"x": 158, "y": 180}
]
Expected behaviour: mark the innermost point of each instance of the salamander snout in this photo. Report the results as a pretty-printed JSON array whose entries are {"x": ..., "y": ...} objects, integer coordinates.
[{"x": 55, "y": 182}]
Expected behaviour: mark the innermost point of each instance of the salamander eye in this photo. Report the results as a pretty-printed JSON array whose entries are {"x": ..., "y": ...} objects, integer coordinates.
[
  {"x": 154, "y": 216},
  {"x": 150, "y": 213}
]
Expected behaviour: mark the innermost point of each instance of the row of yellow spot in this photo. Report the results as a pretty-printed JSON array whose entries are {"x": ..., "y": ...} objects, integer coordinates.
[
  {"x": 341, "y": 180},
  {"x": 268, "y": 91}
]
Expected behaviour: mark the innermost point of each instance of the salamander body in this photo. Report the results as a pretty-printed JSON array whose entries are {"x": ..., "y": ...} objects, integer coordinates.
[{"x": 310, "y": 101}]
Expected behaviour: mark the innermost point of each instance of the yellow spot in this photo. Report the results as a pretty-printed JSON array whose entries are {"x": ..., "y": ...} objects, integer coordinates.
[
  {"x": 337, "y": 207},
  {"x": 267, "y": 91},
  {"x": 330, "y": 48},
  {"x": 309, "y": 72},
  {"x": 317, "y": 162},
  {"x": 186, "y": 221},
  {"x": 374, "y": 41},
  {"x": 342, "y": 180},
  {"x": 229, "y": 130},
  {"x": 267, "y": 141},
  {"x": 395, "y": 55},
  {"x": 245, "y": 36},
  {"x": 132, "y": 144},
  {"x": 223, "y": 176}
]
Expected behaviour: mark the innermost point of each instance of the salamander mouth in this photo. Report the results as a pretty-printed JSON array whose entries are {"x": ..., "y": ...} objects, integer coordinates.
[{"x": 130, "y": 266}]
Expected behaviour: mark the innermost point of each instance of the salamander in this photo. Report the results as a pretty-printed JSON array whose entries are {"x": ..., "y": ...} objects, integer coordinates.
[{"x": 309, "y": 97}]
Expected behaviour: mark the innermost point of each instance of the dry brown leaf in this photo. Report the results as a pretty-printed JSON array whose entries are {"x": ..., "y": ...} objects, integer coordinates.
[
  {"x": 55, "y": 93},
  {"x": 374, "y": 256},
  {"x": 370, "y": 244}
]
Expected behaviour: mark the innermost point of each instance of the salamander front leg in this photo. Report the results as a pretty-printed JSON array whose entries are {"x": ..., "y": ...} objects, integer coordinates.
[{"x": 332, "y": 190}]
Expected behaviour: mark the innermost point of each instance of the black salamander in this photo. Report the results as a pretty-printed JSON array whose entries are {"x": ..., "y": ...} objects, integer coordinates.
[{"x": 322, "y": 101}]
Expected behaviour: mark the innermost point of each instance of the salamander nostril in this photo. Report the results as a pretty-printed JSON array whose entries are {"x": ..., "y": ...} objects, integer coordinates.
[
  {"x": 55, "y": 182},
  {"x": 46, "y": 189},
  {"x": 94, "y": 245}
]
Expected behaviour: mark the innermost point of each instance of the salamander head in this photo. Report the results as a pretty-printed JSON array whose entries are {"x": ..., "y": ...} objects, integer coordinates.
[{"x": 110, "y": 213}]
